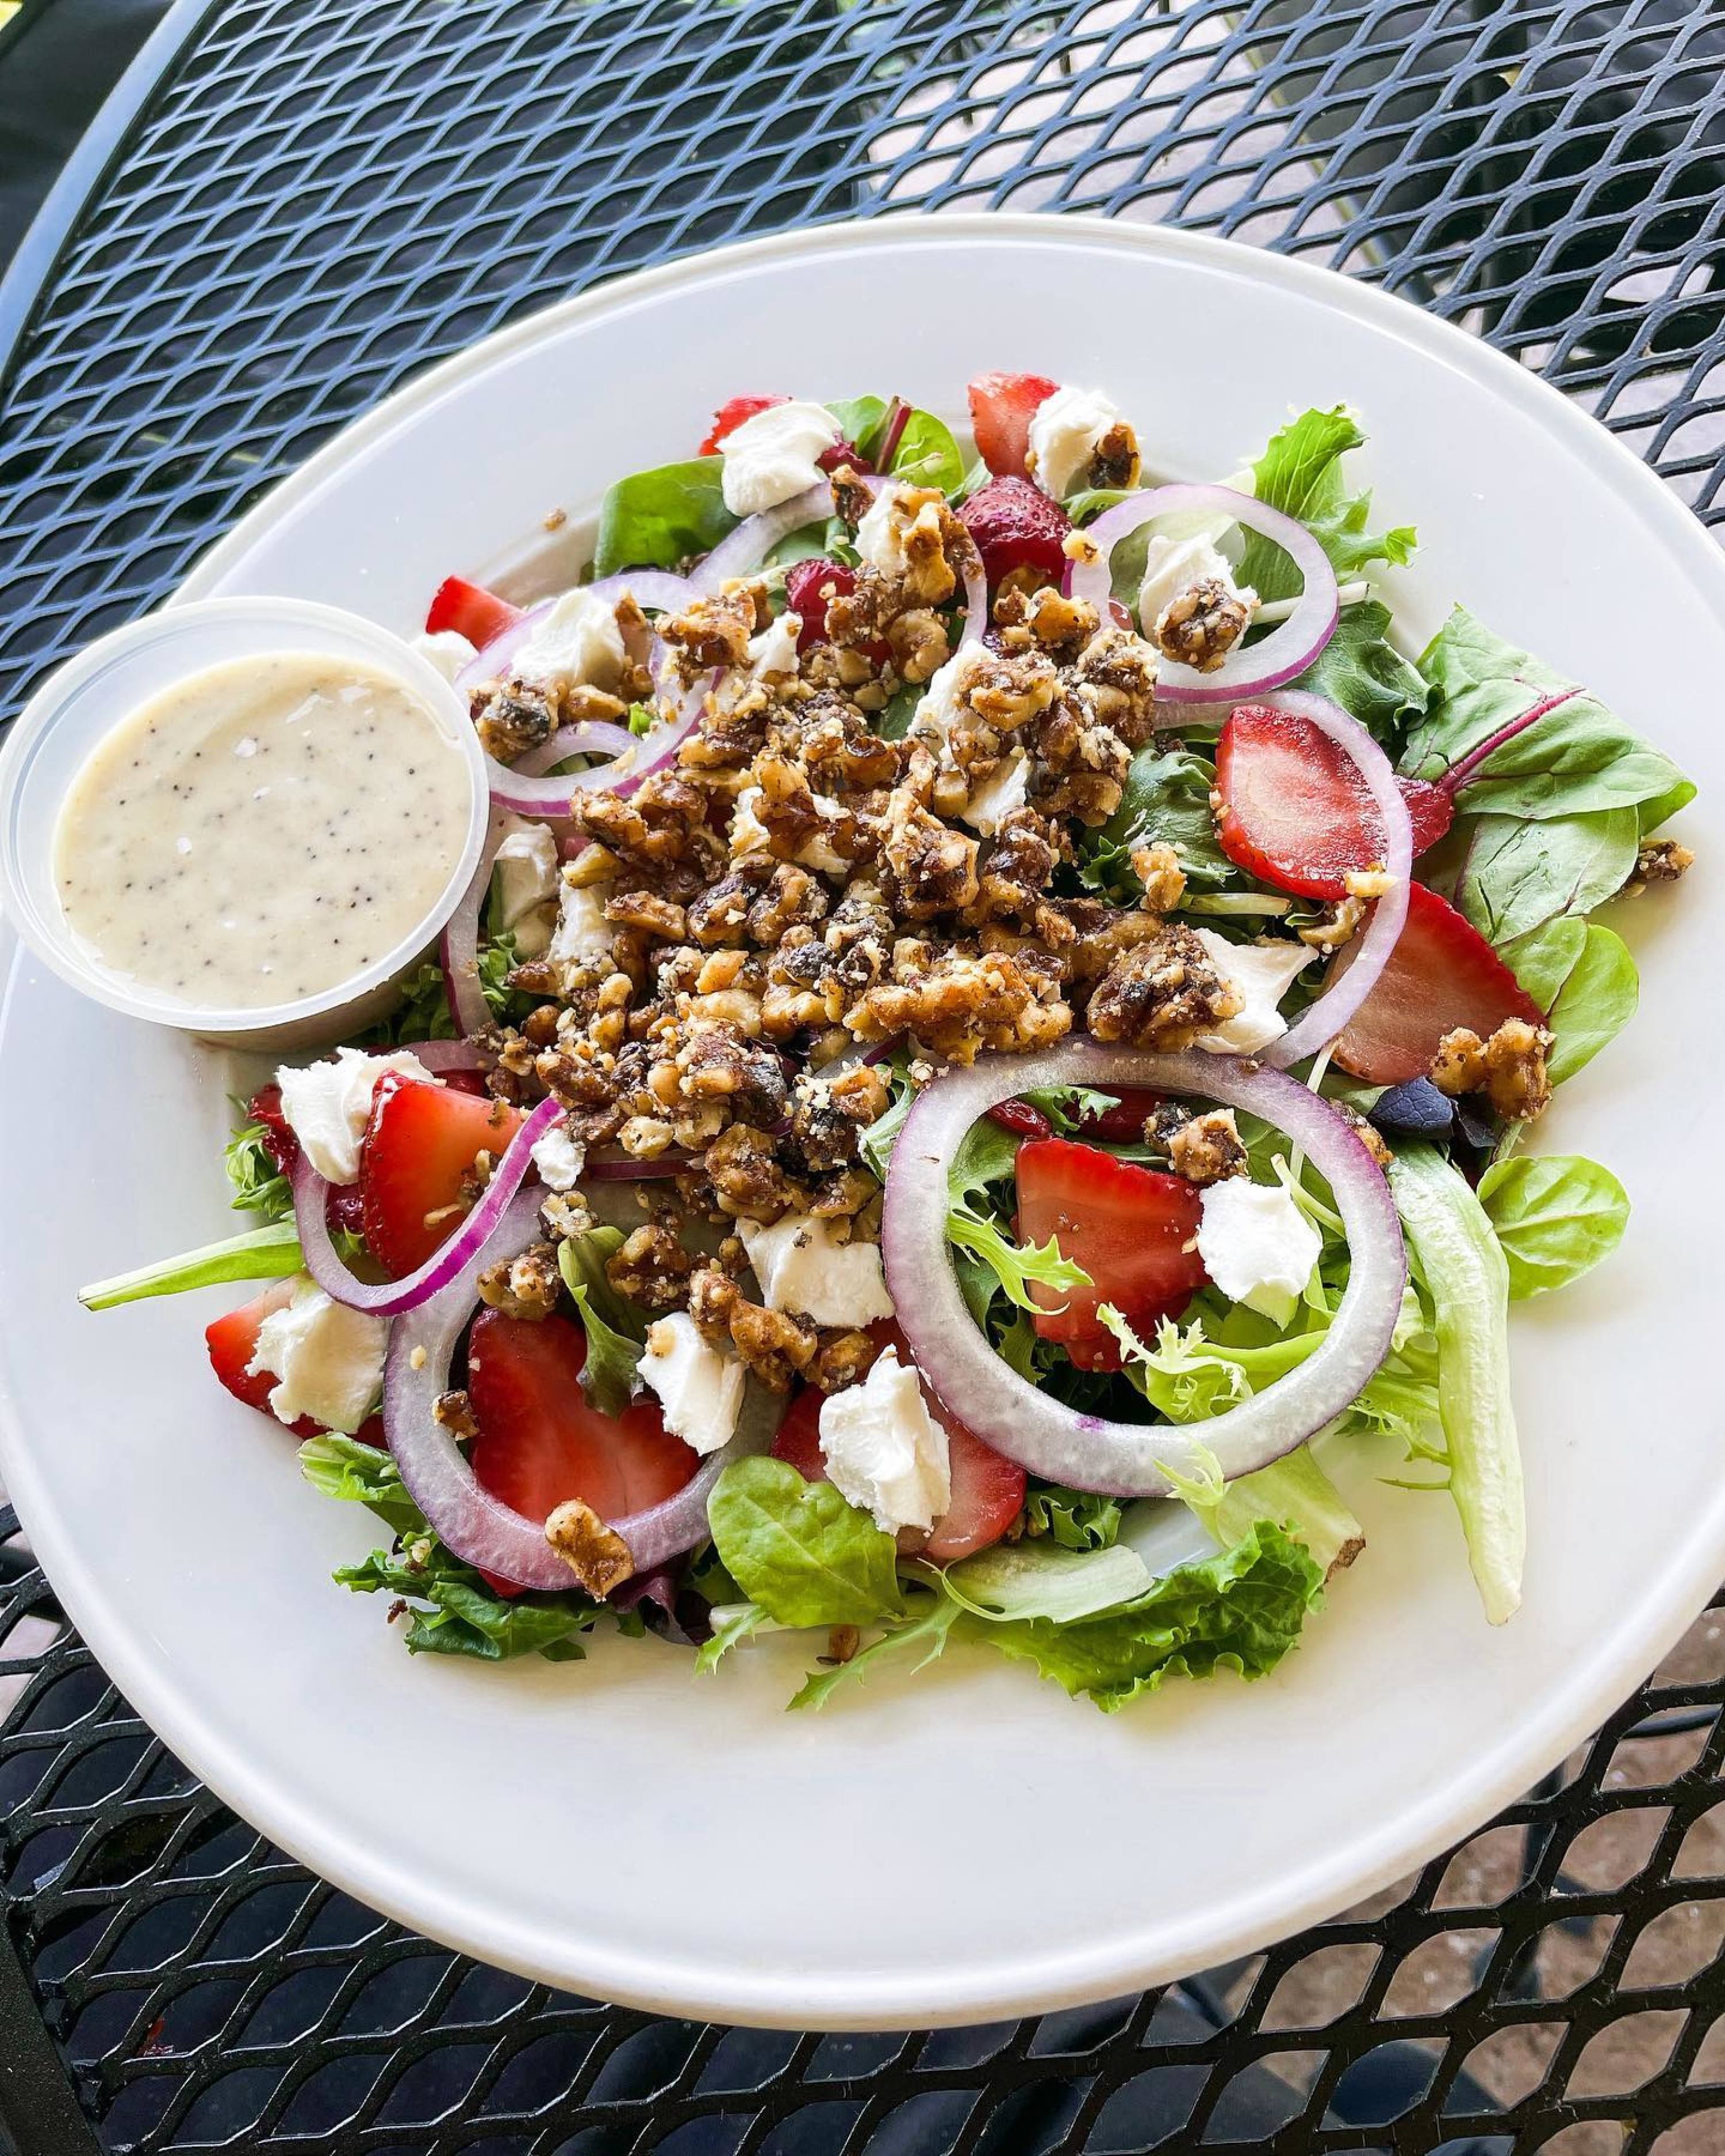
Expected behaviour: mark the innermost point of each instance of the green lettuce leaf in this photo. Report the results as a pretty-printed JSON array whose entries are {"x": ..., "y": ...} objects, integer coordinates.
[
  {"x": 1555, "y": 1214},
  {"x": 1301, "y": 473},
  {"x": 1295, "y": 1493},
  {"x": 656, "y": 520},
  {"x": 615, "y": 1330},
  {"x": 1167, "y": 797},
  {"x": 927, "y": 456},
  {"x": 732, "y": 1623},
  {"x": 1584, "y": 976},
  {"x": 267, "y": 1253},
  {"x": 798, "y": 1550},
  {"x": 258, "y": 1185},
  {"x": 1362, "y": 670},
  {"x": 914, "y": 1645},
  {"x": 860, "y": 420},
  {"x": 1026, "y": 1579},
  {"x": 1515, "y": 876},
  {"x": 1075, "y": 1519}
]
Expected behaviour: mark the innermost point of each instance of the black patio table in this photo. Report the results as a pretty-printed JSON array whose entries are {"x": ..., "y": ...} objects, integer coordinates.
[{"x": 288, "y": 208}]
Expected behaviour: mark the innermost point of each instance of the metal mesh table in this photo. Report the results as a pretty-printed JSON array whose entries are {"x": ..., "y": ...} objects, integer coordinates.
[{"x": 293, "y": 204}]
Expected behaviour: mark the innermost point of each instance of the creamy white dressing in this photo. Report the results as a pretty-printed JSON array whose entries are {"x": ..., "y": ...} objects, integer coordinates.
[{"x": 263, "y": 830}]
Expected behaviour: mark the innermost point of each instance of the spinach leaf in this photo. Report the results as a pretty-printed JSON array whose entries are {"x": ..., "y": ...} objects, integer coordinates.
[
  {"x": 656, "y": 520},
  {"x": 1167, "y": 797},
  {"x": 1514, "y": 876},
  {"x": 927, "y": 456},
  {"x": 1301, "y": 473},
  {"x": 798, "y": 1550},
  {"x": 1362, "y": 670},
  {"x": 1556, "y": 1215},
  {"x": 861, "y": 418},
  {"x": 266, "y": 1253}
]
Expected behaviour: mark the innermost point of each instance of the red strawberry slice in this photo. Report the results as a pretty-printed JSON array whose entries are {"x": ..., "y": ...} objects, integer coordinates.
[
  {"x": 541, "y": 1441},
  {"x": 231, "y": 1340},
  {"x": 420, "y": 1142},
  {"x": 731, "y": 416},
  {"x": 1016, "y": 526},
  {"x": 470, "y": 610},
  {"x": 1002, "y": 407},
  {"x": 1295, "y": 811},
  {"x": 1133, "y": 1229},
  {"x": 988, "y": 1489},
  {"x": 805, "y": 585},
  {"x": 1441, "y": 974}
]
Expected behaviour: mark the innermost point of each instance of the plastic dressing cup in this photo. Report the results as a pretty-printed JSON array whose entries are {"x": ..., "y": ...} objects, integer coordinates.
[{"x": 77, "y": 707}]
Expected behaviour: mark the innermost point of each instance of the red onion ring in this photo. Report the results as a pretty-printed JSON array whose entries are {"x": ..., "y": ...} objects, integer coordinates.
[
  {"x": 389, "y": 1298},
  {"x": 458, "y": 946},
  {"x": 1085, "y": 1452},
  {"x": 743, "y": 550},
  {"x": 1289, "y": 649},
  {"x": 479, "y": 1528},
  {"x": 1352, "y": 980}
]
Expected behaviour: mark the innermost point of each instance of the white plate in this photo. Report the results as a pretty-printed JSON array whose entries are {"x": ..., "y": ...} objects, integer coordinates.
[{"x": 970, "y": 1844}]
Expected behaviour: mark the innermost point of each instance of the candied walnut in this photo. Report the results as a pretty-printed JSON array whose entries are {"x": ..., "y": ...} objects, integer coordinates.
[
  {"x": 1509, "y": 1068},
  {"x": 861, "y": 1093},
  {"x": 718, "y": 1063},
  {"x": 933, "y": 867},
  {"x": 843, "y": 1194},
  {"x": 823, "y": 1130},
  {"x": 1114, "y": 681},
  {"x": 651, "y": 1268},
  {"x": 1007, "y": 691},
  {"x": 714, "y": 630},
  {"x": 778, "y": 813},
  {"x": 1201, "y": 625},
  {"x": 1158, "y": 868},
  {"x": 564, "y": 1215},
  {"x": 863, "y": 614},
  {"x": 1661, "y": 860},
  {"x": 748, "y": 1181},
  {"x": 1367, "y": 1132},
  {"x": 918, "y": 642},
  {"x": 654, "y": 916},
  {"x": 845, "y": 1358},
  {"x": 1163, "y": 993},
  {"x": 721, "y": 913},
  {"x": 455, "y": 1411},
  {"x": 794, "y": 899},
  {"x": 775, "y": 1345},
  {"x": 1114, "y": 462},
  {"x": 960, "y": 1002},
  {"x": 1339, "y": 926},
  {"x": 512, "y": 718},
  {"x": 644, "y": 1137},
  {"x": 527, "y": 1286},
  {"x": 837, "y": 746},
  {"x": 1371, "y": 882},
  {"x": 597, "y": 1555},
  {"x": 659, "y": 824},
  {"x": 1207, "y": 1148},
  {"x": 1101, "y": 933},
  {"x": 594, "y": 864},
  {"x": 1014, "y": 878},
  {"x": 852, "y": 497}
]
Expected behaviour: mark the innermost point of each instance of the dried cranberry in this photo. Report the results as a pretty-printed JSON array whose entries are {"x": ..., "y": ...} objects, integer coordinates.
[
  {"x": 1021, "y": 1119},
  {"x": 1017, "y": 526}
]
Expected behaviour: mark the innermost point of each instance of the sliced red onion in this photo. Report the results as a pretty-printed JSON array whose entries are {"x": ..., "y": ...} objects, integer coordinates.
[
  {"x": 547, "y": 798},
  {"x": 1290, "y": 648},
  {"x": 657, "y": 749},
  {"x": 479, "y": 1528},
  {"x": 388, "y": 1298},
  {"x": 457, "y": 947},
  {"x": 591, "y": 737},
  {"x": 659, "y": 590},
  {"x": 740, "y": 552},
  {"x": 1130, "y": 1460},
  {"x": 1351, "y": 980}
]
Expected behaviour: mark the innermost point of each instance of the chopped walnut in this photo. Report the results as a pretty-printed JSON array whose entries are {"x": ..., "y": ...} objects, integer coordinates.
[
  {"x": 1509, "y": 1068},
  {"x": 748, "y": 1181},
  {"x": 714, "y": 630},
  {"x": 932, "y": 866},
  {"x": 651, "y": 1268},
  {"x": 845, "y": 1358},
  {"x": 1661, "y": 860},
  {"x": 510, "y": 718},
  {"x": 1116, "y": 683},
  {"x": 1161, "y": 993},
  {"x": 527, "y": 1287},
  {"x": 960, "y": 1002},
  {"x": 1339, "y": 926},
  {"x": 1367, "y": 1133},
  {"x": 1207, "y": 1148},
  {"x": 1201, "y": 625},
  {"x": 1371, "y": 882},
  {"x": 597, "y": 1555},
  {"x": 1158, "y": 868},
  {"x": 455, "y": 1411},
  {"x": 772, "y": 1344}
]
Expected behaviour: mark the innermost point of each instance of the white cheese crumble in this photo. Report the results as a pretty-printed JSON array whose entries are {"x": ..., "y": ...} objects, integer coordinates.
[
  {"x": 326, "y": 1106},
  {"x": 583, "y": 936},
  {"x": 559, "y": 1158},
  {"x": 879, "y": 539},
  {"x": 774, "y": 651},
  {"x": 885, "y": 1452},
  {"x": 700, "y": 1389},
  {"x": 1257, "y": 1245},
  {"x": 448, "y": 649},
  {"x": 939, "y": 706},
  {"x": 1064, "y": 431},
  {"x": 802, "y": 1266},
  {"x": 1263, "y": 973},
  {"x": 524, "y": 884},
  {"x": 1172, "y": 566},
  {"x": 327, "y": 1360},
  {"x": 1006, "y": 788},
  {"x": 578, "y": 642},
  {"x": 771, "y": 457},
  {"x": 750, "y": 835}
]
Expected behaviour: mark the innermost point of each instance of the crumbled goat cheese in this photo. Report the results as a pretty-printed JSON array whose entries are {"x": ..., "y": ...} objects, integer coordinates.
[
  {"x": 750, "y": 835},
  {"x": 1172, "y": 566},
  {"x": 939, "y": 706},
  {"x": 559, "y": 1158},
  {"x": 1065, "y": 432},
  {"x": 1262, "y": 973},
  {"x": 771, "y": 457},
  {"x": 885, "y": 1452},
  {"x": 578, "y": 642},
  {"x": 1257, "y": 1245},
  {"x": 700, "y": 1389},
  {"x": 880, "y": 539},
  {"x": 327, "y": 1359},
  {"x": 326, "y": 1106},
  {"x": 1006, "y": 788},
  {"x": 448, "y": 649},
  {"x": 524, "y": 885},
  {"x": 774, "y": 651},
  {"x": 583, "y": 936},
  {"x": 802, "y": 1266}
]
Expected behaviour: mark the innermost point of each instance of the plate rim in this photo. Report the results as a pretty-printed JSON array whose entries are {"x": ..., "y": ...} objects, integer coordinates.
[{"x": 1119, "y": 1963}]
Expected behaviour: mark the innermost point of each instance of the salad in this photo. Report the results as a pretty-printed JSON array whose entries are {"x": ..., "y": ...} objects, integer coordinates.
[{"x": 991, "y": 1041}]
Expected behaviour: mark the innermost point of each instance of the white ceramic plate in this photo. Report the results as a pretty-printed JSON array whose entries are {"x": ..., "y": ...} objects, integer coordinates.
[{"x": 969, "y": 1844}]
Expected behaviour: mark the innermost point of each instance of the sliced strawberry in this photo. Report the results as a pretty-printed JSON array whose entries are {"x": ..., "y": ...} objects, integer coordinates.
[
  {"x": 419, "y": 1144},
  {"x": 1441, "y": 974},
  {"x": 732, "y": 415},
  {"x": 1133, "y": 1229},
  {"x": 541, "y": 1442},
  {"x": 231, "y": 1340},
  {"x": 1002, "y": 407},
  {"x": 470, "y": 610},
  {"x": 805, "y": 584},
  {"x": 988, "y": 1489},
  {"x": 1295, "y": 811},
  {"x": 1016, "y": 526}
]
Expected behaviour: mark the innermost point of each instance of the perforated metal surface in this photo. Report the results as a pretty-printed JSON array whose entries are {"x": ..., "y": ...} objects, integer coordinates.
[{"x": 317, "y": 198}]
